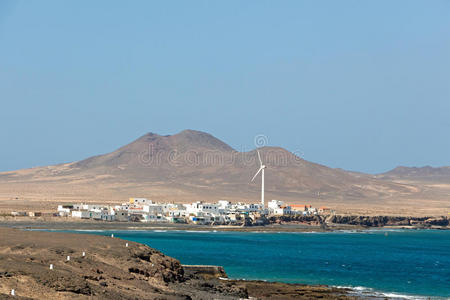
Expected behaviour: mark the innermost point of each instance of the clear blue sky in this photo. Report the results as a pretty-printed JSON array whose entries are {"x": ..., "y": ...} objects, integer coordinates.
[{"x": 359, "y": 85}]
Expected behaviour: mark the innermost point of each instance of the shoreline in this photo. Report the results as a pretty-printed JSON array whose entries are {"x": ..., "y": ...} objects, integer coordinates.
[
  {"x": 255, "y": 286},
  {"x": 104, "y": 268},
  {"x": 286, "y": 227}
]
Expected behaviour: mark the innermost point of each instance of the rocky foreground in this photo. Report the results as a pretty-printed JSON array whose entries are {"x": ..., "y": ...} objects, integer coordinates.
[{"x": 111, "y": 270}]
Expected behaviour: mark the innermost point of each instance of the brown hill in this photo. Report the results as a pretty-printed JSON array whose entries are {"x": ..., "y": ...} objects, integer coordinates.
[
  {"x": 418, "y": 173},
  {"x": 193, "y": 165}
]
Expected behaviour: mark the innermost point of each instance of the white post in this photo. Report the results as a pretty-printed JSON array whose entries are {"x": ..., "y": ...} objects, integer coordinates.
[
  {"x": 84, "y": 254},
  {"x": 112, "y": 235},
  {"x": 13, "y": 292},
  {"x": 262, "y": 188},
  {"x": 51, "y": 266},
  {"x": 68, "y": 258},
  {"x": 126, "y": 245}
]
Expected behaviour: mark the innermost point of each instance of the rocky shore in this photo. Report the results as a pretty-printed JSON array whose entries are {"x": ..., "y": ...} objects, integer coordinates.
[
  {"x": 331, "y": 221},
  {"x": 272, "y": 223},
  {"x": 110, "y": 269}
]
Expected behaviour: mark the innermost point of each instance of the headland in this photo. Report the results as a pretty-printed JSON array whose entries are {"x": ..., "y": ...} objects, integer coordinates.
[{"x": 38, "y": 265}]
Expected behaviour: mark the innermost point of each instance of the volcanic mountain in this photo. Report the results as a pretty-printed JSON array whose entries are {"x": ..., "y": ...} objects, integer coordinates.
[{"x": 193, "y": 165}]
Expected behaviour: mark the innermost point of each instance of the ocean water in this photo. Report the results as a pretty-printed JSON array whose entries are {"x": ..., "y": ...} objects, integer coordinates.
[{"x": 393, "y": 262}]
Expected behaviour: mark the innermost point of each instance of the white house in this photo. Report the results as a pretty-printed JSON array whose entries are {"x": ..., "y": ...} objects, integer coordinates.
[
  {"x": 273, "y": 204},
  {"x": 197, "y": 207},
  {"x": 284, "y": 210},
  {"x": 277, "y": 207},
  {"x": 65, "y": 208},
  {"x": 224, "y": 205},
  {"x": 81, "y": 214},
  {"x": 153, "y": 209},
  {"x": 93, "y": 207}
]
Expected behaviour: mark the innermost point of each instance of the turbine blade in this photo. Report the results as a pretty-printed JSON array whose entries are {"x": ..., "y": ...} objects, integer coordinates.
[
  {"x": 256, "y": 174},
  {"x": 259, "y": 157}
]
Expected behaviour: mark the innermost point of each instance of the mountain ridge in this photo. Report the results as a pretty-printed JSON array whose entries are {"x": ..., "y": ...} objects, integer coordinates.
[
  {"x": 193, "y": 165},
  {"x": 411, "y": 172}
]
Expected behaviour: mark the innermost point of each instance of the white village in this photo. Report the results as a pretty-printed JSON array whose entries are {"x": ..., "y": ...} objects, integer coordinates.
[{"x": 222, "y": 212}]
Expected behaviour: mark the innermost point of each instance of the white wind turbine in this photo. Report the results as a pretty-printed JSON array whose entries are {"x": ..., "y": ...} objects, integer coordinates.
[{"x": 261, "y": 169}]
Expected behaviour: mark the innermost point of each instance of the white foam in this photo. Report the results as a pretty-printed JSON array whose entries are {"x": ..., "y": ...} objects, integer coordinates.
[{"x": 365, "y": 291}]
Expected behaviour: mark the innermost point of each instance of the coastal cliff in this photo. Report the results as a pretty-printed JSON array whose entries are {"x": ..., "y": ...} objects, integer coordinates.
[
  {"x": 365, "y": 221},
  {"x": 380, "y": 221},
  {"x": 49, "y": 265}
]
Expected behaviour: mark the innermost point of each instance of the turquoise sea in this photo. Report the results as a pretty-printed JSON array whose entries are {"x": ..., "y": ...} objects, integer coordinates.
[{"x": 393, "y": 262}]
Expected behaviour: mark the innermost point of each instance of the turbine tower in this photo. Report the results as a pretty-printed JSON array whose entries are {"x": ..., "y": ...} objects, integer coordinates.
[{"x": 261, "y": 169}]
